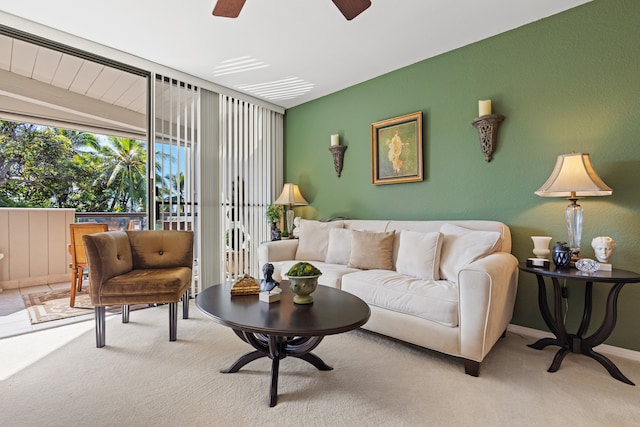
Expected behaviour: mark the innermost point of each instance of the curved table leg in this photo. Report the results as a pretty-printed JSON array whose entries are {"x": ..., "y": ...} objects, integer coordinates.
[
  {"x": 243, "y": 360},
  {"x": 557, "y": 359},
  {"x": 543, "y": 342},
  {"x": 609, "y": 366},
  {"x": 276, "y": 348},
  {"x": 576, "y": 343},
  {"x": 315, "y": 361}
]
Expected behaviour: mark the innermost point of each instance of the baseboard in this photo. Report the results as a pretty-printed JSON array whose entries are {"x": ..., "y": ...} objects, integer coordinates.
[{"x": 602, "y": 348}]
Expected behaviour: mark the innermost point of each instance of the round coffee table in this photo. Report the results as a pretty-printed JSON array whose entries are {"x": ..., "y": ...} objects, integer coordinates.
[{"x": 281, "y": 329}]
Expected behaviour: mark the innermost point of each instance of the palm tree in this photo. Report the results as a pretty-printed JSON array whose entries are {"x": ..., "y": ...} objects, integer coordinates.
[{"x": 125, "y": 165}]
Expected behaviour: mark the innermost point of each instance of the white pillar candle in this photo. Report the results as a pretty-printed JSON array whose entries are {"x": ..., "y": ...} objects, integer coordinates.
[
  {"x": 335, "y": 140},
  {"x": 484, "y": 107}
]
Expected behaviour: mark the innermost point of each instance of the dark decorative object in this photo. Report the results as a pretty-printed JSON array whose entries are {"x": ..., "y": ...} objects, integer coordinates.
[
  {"x": 488, "y": 131},
  {"x": 338, "y": 157},
  {"x": 267, "y": 284},
  {"x": 275, "y": 232},
  {"x": 561, "y": 254}
]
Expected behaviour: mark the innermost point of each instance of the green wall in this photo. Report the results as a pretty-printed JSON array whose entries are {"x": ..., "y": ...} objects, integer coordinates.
[{"x": 570, "y": 82}]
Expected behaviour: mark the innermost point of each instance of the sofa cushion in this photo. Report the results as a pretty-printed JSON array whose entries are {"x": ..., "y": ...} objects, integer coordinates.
[
  {"x": 339, "y": 249},
  {"x": 419, "y": 254},
  {"x": 314, "y": 239},
  {"x": 370, "y": 250},
  {"x": 462, "y": 246},
  {"x": 432, "y": 300}
]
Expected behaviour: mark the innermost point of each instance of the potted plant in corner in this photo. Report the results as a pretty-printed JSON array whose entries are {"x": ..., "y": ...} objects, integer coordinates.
[
  {"x": 303, "y": 280},
  {"x": 273, "y": 214}
]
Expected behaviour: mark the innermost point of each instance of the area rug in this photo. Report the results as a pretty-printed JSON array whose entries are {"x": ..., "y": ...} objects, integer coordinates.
[{"x": 54, "y": 305}]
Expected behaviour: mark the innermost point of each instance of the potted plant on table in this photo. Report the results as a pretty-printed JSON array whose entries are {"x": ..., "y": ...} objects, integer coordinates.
[{"x": 303, "y": 280}]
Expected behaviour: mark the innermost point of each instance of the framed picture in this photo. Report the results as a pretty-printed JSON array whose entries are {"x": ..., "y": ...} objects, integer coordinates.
[{"x": 396, "y": 150}]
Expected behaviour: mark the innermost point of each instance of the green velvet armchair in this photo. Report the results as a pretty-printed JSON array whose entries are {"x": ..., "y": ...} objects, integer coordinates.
[{"x": 139, "y": 267}]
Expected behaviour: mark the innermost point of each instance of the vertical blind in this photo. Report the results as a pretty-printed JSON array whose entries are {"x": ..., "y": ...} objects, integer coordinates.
[
  {"x": 177, "y": 152},
  {"x": 250, "y": 176}
]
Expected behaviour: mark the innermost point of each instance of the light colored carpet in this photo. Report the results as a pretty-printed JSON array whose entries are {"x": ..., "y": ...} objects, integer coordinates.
[{"x": 142, "y": 379}]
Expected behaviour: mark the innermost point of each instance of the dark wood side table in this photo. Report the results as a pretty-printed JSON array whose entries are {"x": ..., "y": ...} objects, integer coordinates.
[
  {"x": 578, "y": 343},
  {"x": 282, "y": 328}
]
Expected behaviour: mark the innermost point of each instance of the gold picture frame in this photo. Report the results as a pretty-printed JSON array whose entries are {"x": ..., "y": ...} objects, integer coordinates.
[{"x": 396, "y": 150}]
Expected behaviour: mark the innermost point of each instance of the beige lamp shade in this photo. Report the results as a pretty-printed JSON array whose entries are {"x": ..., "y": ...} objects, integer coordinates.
[
  {"x": 291, "y": 196},
  {"x": 574, "y": 177}
]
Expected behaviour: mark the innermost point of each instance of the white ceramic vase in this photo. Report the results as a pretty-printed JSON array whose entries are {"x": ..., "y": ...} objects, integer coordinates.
[{"x": 541, "y": 246}]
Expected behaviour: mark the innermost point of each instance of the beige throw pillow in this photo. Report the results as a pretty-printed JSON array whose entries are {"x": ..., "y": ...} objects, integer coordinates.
[
  {"x": 419, "y": 254},
  {"x": 314, "y": 239},
  {"x": 462, "y": 246},
  {"x": 371, "y": 250},
  {"x": 339, "y": 250}
]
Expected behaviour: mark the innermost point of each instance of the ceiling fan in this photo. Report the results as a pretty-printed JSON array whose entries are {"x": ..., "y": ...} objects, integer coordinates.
[{"x": 349, "y": 8}]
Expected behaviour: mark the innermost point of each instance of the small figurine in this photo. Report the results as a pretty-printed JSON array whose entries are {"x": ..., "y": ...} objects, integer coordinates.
[
  {"x": 267, "y": 284},
  {"x": 603, "y": 246}
]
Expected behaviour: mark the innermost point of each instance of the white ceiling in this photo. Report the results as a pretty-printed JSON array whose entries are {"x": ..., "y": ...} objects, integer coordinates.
[{"x": 305, "y": 46}]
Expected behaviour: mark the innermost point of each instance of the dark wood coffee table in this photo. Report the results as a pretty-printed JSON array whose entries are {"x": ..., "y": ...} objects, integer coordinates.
[{"x": 281, "y": 329}]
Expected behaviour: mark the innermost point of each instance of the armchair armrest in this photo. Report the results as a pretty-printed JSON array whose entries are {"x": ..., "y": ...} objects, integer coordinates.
[
  {"x": 278, "y": 250},
  {"x": 487, "y": 290}
]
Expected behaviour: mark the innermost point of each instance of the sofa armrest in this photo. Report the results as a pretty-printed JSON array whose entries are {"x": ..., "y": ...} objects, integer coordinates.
[
  {"x": 487, "y": 290},
  {"x": 278, "y": 250}
]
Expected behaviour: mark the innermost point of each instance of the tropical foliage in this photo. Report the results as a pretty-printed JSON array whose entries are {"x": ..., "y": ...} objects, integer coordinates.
[{"x": 48, "y": 167}]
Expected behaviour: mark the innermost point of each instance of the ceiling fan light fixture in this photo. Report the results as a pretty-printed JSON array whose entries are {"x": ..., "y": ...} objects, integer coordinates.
[
  {"x": 228, "y": 8},
  {"x": 349, "y": 8},
  {"x": 352, "y": 8}
]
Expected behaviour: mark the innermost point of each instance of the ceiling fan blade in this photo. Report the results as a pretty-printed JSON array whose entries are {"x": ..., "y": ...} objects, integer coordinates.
[
  {"x": 352, "y": 8},
  {"x": 228, "y": 8}
]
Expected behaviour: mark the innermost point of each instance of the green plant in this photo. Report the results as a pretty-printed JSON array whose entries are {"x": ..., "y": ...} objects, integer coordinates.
[
  {"x": 273, "y": 213},
  {"x": 303, "y": 269}
]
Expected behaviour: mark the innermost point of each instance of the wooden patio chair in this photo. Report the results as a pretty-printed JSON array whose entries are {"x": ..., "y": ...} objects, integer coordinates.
[{"x": 78, "y": 255}]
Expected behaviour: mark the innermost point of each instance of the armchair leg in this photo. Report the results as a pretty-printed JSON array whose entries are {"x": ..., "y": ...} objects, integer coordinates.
[
  {"x": 471, "y": 367},
  {"x": 100, "y": 326},
  {"x": 173, "y": 320},
  {"x": 125, "y": 313},
  {"x": 185, "y": 305}
]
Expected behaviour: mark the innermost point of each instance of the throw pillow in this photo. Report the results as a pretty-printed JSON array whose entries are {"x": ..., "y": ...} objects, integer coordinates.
[
  {"x": 462, "y": 246},
  {"x": 339, "y": 250},
  {"x": 371, "y": 250},
  {"x": 314, "y": 239},
  {"x": 419, "y": 254}
]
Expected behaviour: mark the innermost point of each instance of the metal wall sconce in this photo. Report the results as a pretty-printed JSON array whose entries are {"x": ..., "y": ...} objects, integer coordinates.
[
  {"x": 487, "y": 125},
  {"x": 337, "y": 151}
]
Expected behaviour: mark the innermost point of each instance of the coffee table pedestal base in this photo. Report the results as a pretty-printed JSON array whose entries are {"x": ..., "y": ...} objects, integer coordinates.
[{"x": 276, "y": 348}]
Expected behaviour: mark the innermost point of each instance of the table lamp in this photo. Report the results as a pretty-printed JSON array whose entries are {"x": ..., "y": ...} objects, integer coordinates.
[
  {"x": 290, "y": 197},
  {"x": 573, "y": 177}
]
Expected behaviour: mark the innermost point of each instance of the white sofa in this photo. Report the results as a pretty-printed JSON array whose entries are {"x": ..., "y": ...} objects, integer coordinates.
[{"x": 445, "y": 285}]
